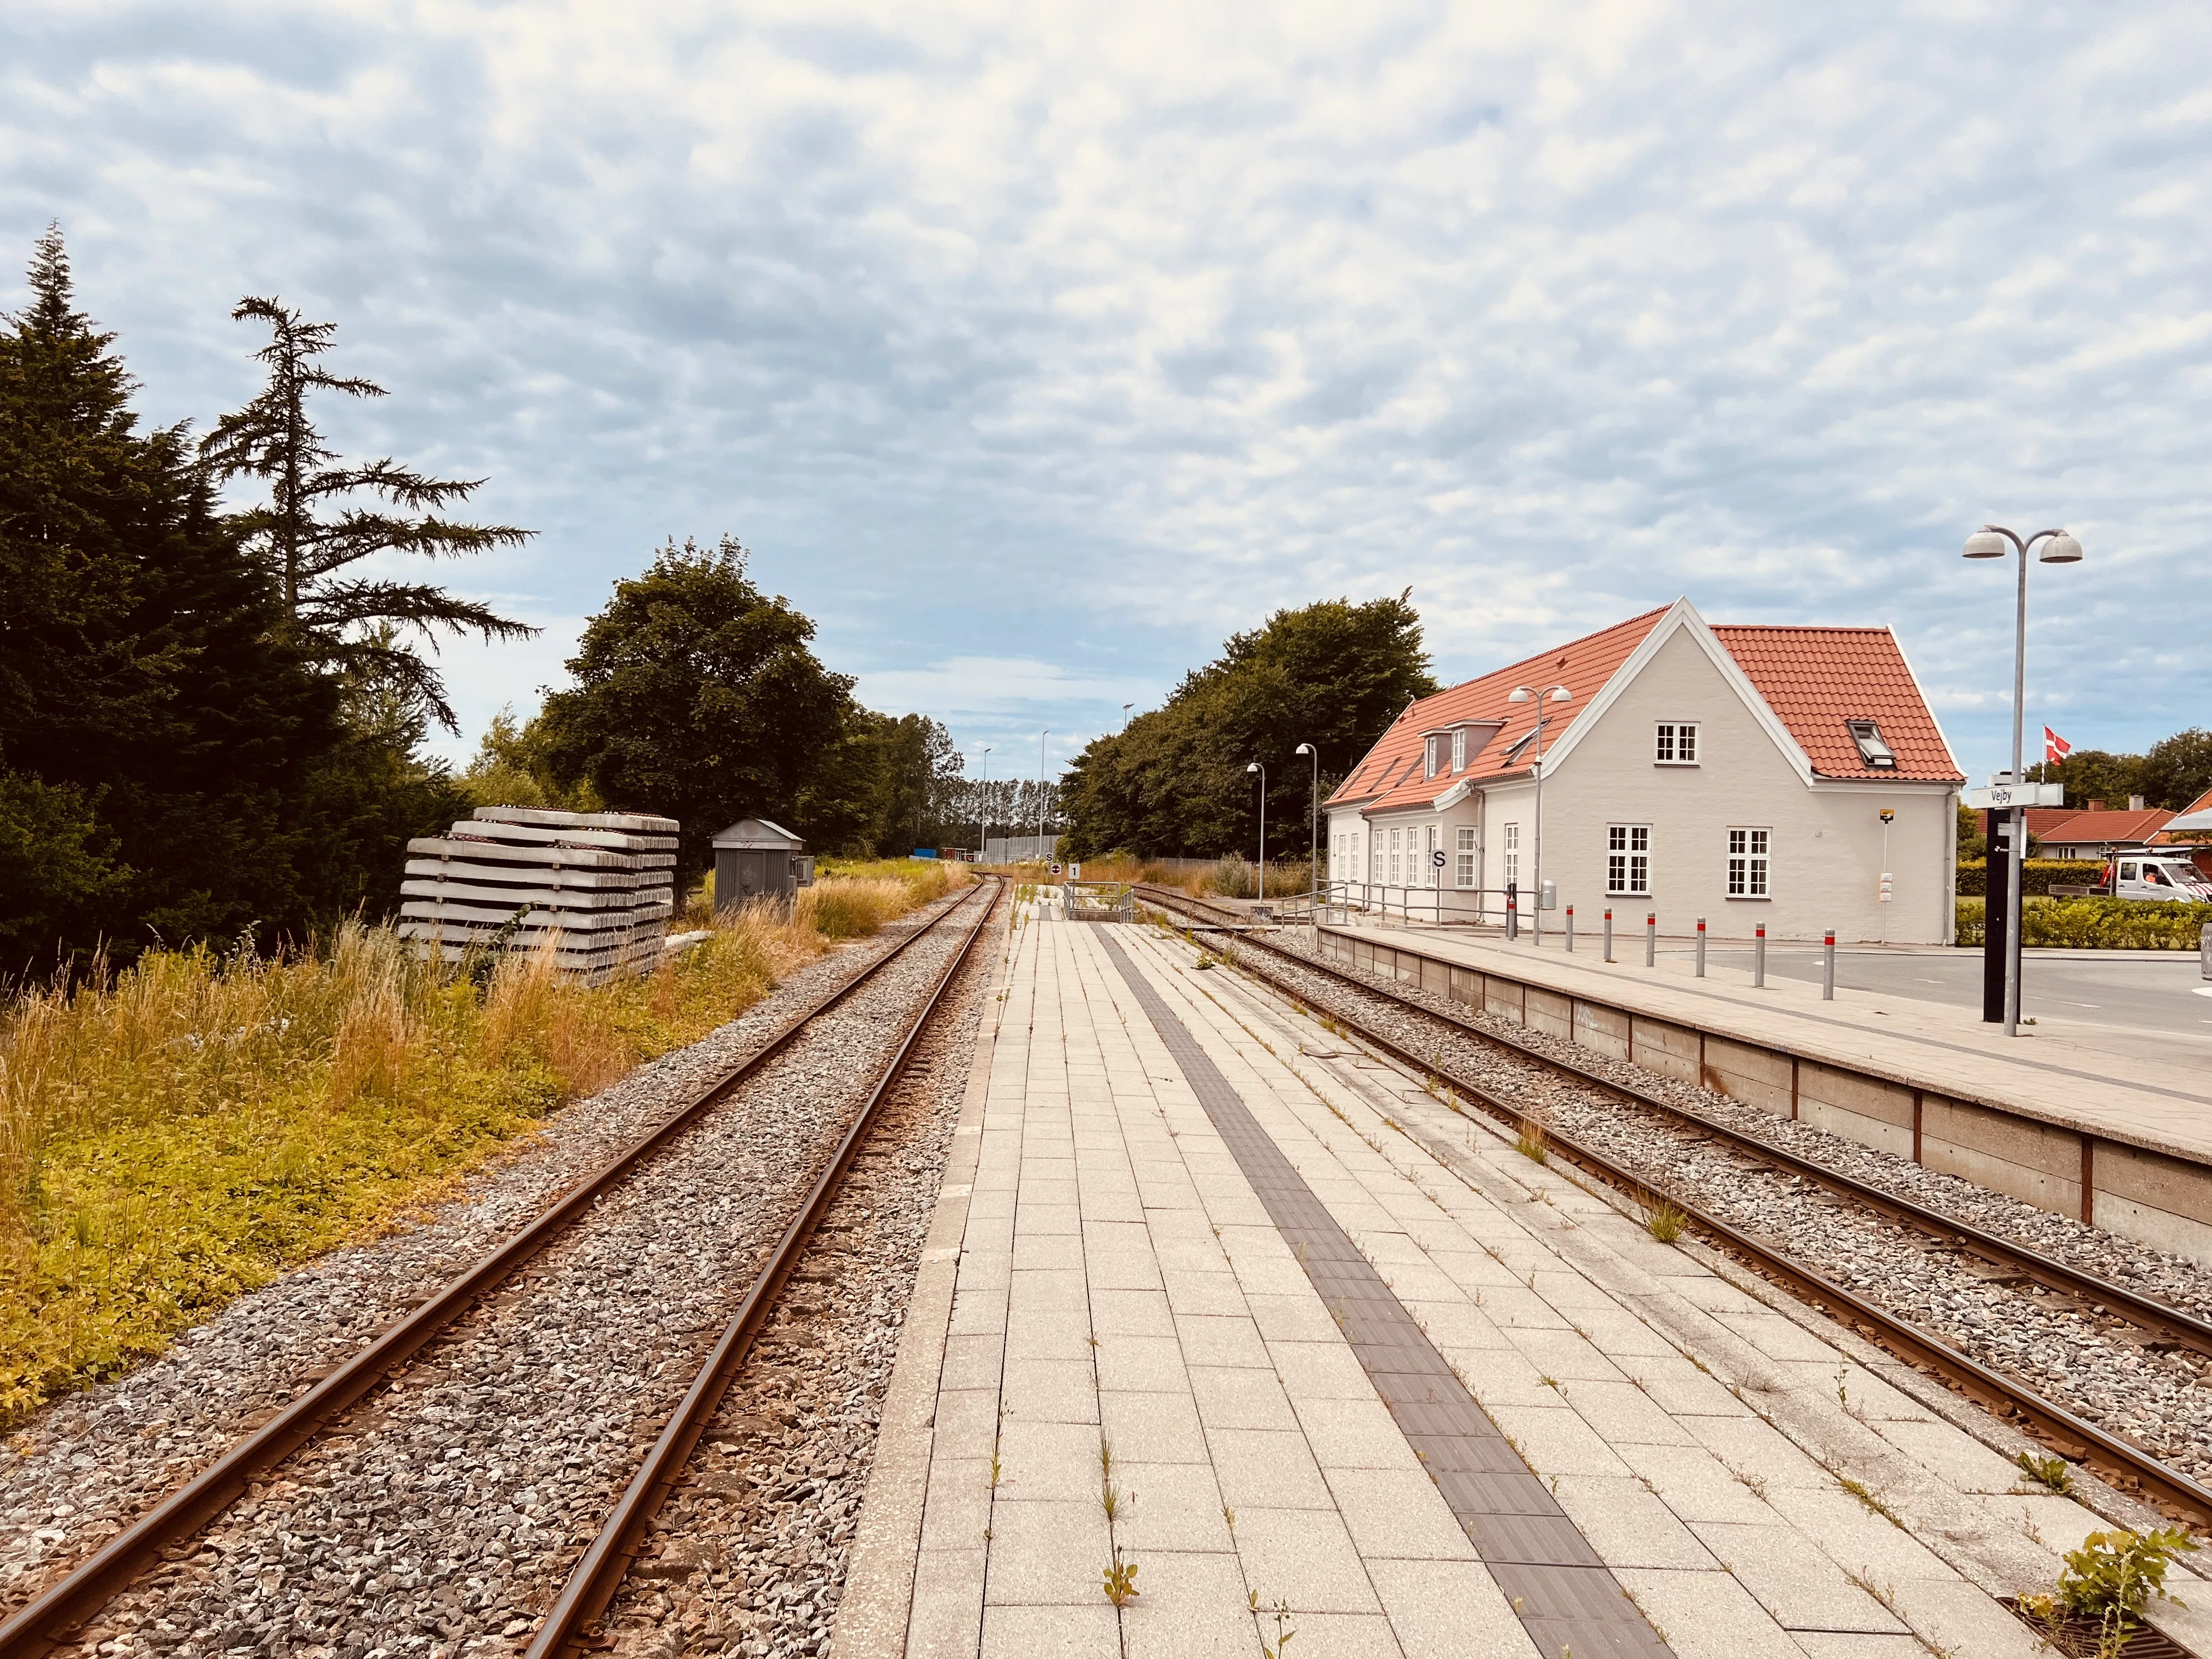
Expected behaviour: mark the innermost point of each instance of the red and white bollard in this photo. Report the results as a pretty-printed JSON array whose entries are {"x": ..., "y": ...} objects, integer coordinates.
[
  {"x": 1828, "y": 969},
  {"x": 1758, "y": 957},
  {"x": 1701, "y": 947}
]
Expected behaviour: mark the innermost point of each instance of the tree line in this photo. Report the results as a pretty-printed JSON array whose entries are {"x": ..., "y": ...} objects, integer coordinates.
[
  {"x": 1174, "y": 782},
  {"x": 2169, "y": 774},
  {"x": 212, "y": 720}
]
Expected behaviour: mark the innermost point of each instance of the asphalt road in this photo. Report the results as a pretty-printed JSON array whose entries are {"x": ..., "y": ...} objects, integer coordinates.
[{"x": 2158, "y": 991}]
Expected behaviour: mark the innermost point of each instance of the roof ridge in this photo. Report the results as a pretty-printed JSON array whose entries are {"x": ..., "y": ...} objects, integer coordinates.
[
  {"x": 1802, "y": 627},
  {"x": 1549, "y": 651}
]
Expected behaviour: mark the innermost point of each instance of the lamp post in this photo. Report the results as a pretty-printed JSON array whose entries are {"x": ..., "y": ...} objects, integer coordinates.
[
  {"x": 1994, "y": 541},
  {"x": 1542, "y": 700},
  {"x": 1313, "y": 840},
  {"x": 1259, "y": 881},
  {"x": 984, "y": 808},
  {"x": 1042, "y": 736}
]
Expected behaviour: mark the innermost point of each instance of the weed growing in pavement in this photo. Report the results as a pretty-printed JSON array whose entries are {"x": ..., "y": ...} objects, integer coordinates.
[
  {"x": 1229, "y": 1516},
  {"x": 2052, "y": 1472},
  {"x": 2028, "y": 1529},
  {"x": 1870, "y": 1498},
  {"x": 2112, "y": 1576},
  {"x": 1657, "y": 1629},
  {"x": 1120, "y": 1580},
  {"x": 1664, "y": 1221},
  {"x": 1531, "y": 1143},
  {"x": 1885, "y": 1594},
  {"x": 1280, "y": 1645}
]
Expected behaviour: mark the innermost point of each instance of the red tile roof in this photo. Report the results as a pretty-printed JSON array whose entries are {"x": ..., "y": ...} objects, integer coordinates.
[
  {"x": 1583, "y": 665},
  {"x": 1817, "y": 679},
  {"x": 2083, "y": 829}
]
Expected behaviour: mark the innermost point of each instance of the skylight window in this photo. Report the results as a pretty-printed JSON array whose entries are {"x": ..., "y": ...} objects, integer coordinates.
[
  {"x": 1873, "y": 750},
  {"x": 1519, "y": 748}
]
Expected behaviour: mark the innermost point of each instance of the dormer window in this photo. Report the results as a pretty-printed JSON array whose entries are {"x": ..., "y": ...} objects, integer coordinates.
[
  {"x": 1459, "y": 749},
  {"x": 1431, "y": 747},
  {"x": 1873, "y": 750}
]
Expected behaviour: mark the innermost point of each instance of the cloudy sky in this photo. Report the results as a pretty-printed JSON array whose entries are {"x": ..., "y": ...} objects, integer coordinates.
[{"x": 1032, "y": 350}]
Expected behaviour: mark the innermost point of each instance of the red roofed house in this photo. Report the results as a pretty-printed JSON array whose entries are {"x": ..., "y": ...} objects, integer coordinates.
[{"x": 1734, "y": 772}]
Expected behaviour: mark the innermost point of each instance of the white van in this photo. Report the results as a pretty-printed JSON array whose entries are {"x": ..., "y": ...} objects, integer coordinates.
[{"x": 2177, "y": 880}]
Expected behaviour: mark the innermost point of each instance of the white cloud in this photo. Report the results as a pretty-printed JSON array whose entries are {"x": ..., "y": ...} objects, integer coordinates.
[{"x": 1045, "y": 346}]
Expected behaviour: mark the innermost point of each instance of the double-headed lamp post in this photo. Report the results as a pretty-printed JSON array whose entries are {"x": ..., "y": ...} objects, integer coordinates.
[
  {"x": 1260, "y": 879},
  {"x": 1313, "y": 838},
  {"x": 1994, "y": 541},
  {"x": 1543, "y": 701},
  {"x": 1042, "y": 736}
]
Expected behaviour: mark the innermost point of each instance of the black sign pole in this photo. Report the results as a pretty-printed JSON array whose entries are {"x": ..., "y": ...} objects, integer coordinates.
[{"x": 1995, "y": 886}]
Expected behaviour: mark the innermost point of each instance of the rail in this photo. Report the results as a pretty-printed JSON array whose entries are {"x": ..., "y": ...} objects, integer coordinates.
[
  {"x": 44, "y": 1622},
  {"x": 606, "y": 1562},
  {"x": 2119, "y": 1462}
]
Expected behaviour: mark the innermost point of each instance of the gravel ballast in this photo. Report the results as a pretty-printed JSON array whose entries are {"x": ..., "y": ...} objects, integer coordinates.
[{"x": 442, "y": 1512}]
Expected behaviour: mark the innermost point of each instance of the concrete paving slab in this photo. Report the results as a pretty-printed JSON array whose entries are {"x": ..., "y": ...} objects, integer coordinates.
[{"x": 1113, "y": 1210}]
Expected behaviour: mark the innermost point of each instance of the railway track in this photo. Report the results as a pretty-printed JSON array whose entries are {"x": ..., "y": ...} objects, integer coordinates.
[
  {"x": 50, "y": 1620},
  {"x": 2120, "y": 1463}
]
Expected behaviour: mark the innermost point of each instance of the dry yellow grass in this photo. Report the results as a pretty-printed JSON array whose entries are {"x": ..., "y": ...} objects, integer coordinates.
[{"x": 181, "y": 1132}]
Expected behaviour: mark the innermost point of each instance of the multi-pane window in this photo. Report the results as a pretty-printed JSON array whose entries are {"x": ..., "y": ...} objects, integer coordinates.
[
  {"x": 1512, "y": 855},
  {"x": 1374, "y": 856},
  {"x": 1463, "y": 858},
  {"x": 1459, "y": 749},
  {"x": 1430, "y": 873},
  {"x": 1395, "y": 855},
  {"x": 1747, "y": 862},
  {"x": 1628, "y": 858},
  {"x": 1676, "y": 744}
]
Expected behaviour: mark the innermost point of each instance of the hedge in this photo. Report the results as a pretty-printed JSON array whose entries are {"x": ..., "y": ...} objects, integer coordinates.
[
  {"x": 2101, "y": 924},
  {"x": 2036, "y": 875}
]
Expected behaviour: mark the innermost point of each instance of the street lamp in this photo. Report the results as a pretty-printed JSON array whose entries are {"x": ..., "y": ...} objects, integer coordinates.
[
  {"x": 1994, "y": 541},
  {"x": 1313, "y": 842},
  {"x": 1042, "y": 736},
  {"x": 1522, "y": 694},
  {"x": 984, "y": 808},
  {"x": 1259, "y": 884}
]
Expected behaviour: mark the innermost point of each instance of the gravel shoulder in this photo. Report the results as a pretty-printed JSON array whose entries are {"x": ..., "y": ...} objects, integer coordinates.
[{"x": 88, "y": 1463}]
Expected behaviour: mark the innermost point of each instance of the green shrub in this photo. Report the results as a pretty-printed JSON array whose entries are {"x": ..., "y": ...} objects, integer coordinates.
[
  {"x": 2114, "y": 1573},
  {"x": 2101, "y": 924},
  {"x": 2036, "y": 875}
]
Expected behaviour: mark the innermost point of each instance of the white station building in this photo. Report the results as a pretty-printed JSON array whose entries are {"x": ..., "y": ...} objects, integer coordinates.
[{"x": 1793, "y": 777}]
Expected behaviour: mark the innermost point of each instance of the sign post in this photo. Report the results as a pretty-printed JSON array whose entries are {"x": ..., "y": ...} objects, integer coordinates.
[{"x": 2007, "y": 803}]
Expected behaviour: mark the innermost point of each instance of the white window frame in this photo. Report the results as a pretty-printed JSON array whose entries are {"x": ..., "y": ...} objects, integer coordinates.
[
  {"x": 1750, "y": 862},
  {"x": 1674, "y": 742},
  {"x": 1513, "y": 856},
  {"x": 1463, "y": 858},
  {"x": 1395, "y": 869},
  {"x": 1628, "y": 861},
  {"x": 1374, "y": 856},
  {"x": 1431, "y": 875},
  {"x": 1459, "y": 748}
]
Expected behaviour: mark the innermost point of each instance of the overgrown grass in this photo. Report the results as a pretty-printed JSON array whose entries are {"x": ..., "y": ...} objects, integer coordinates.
[{"x": 185, "y": 1131}]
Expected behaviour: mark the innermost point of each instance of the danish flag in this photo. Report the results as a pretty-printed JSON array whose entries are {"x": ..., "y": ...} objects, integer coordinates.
[{"x": 2055, "y": 748}]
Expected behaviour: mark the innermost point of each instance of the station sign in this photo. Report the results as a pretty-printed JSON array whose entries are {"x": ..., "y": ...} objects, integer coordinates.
[
  {"x": 1436, "y": 858},
  {"x": 1998, "y": 796}
]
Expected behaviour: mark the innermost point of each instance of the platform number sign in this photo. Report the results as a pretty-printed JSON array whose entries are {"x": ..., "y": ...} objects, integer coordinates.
[{"x": 1436, "y": 857}]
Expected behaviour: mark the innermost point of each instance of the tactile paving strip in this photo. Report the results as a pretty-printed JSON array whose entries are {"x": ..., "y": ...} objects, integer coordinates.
[{"x": 1564, "y": 1595}]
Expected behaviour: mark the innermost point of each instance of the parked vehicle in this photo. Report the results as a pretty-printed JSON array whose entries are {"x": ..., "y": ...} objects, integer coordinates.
[{"x": 2177, "y": 880}]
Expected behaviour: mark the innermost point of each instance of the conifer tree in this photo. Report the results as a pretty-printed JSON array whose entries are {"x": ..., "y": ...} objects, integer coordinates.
[{"x": 309, "y": 533}]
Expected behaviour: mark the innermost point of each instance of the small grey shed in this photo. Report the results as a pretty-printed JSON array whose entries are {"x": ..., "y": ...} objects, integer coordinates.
[{"x": 753, "y": 857}]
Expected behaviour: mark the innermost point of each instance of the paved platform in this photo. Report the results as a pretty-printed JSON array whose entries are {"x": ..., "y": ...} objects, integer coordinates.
[{"x": 1498, "y": 1418}]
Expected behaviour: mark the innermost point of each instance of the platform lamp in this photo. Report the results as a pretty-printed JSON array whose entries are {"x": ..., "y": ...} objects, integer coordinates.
[
  {"x": 1994, "y": 541},
  {"x": 1042, "y": 736},
  {"x": 1313, "y": 839},
  {"x": 1260, "y": 879},
  {"x": 1555, "y": 694},
  {"x": 983, "y": 809}
]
